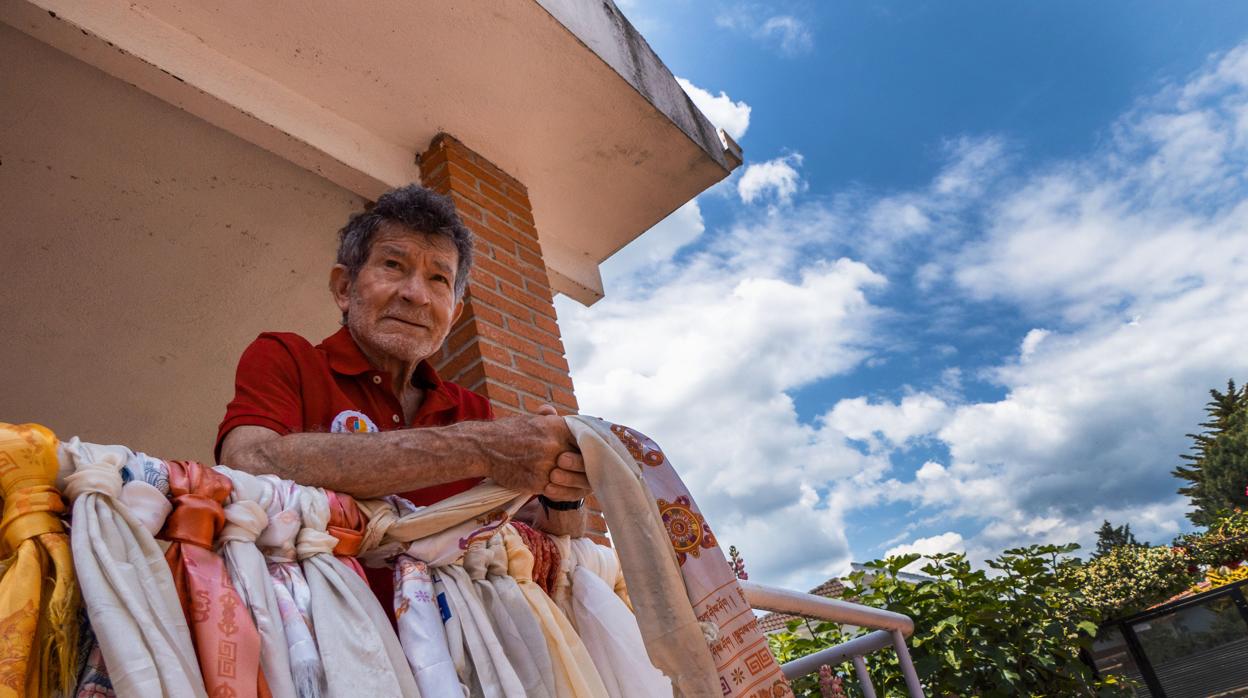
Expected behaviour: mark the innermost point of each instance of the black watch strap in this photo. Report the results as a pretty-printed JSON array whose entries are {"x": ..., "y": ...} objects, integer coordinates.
[{"x": 560, "y": 506}]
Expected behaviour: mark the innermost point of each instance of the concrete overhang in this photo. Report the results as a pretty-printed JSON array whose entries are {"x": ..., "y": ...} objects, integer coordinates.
[{"x": 564, "y": 95}]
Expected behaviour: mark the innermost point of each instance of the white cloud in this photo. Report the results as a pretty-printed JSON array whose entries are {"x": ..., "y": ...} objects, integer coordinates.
[
  {"x": 733, "y": 117},
  {"x": 778, "y": 176},
  {"x": 789, "y": 35},
  {"x": 1131, "y": 259},
  {"x": 947, "y": 542},
  {"x": 896, "y": 423}
]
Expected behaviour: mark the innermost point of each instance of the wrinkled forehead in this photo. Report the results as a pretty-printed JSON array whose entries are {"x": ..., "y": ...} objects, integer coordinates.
[{"x": 394, "y": 238}]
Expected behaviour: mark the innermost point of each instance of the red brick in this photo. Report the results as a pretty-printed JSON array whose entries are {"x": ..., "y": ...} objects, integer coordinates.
[
  {"x": 461, "y": 335},
  {"x": 532, "y": 274},
  {"x": 471, "y": 377},
  {"x": 528, "y": 331},
  {"x": 509, "y": 340},
  {"x": 596, "y": 522},
  {"x": 499, "y": 394},
  {"x": 526, "y": 242},
  {"x": 556, "y": 360},
  {"x": 530, "y": 257},
  {"x": 493, "y": 352},
  {"x": 532, "y": 404},
  {"x": 505, "y": 243},
  {"x": 519, "y": 381},
  {"x": 456, "y": 364},
  {"x": 473, "y": 311},
  {"x": 518, "y": 194},
  {"x": 520, "y": 211},
  {"x": 485, "y": 202},
  {"x": 500, "y": 271},
  {"x": 466, "y": 208},
  {"x": 522, "y": 296},
  {"x": 508, "y": 307},
  {"x": 501, "y": 411},
  {"x": 549, "y": 325},
  {"x": 547, "y": 374},
  {"x": 564, "y": 398},
  {"x": 541, "y": 289}
]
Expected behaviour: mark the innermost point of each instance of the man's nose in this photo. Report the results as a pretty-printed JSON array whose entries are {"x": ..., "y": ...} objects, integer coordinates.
[{"x": 416, "y": 290}]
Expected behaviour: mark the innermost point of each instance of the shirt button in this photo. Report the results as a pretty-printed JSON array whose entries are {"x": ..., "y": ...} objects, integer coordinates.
[
  {"x": 377, "y": 380},
  {"x": 396, "y": 419}
]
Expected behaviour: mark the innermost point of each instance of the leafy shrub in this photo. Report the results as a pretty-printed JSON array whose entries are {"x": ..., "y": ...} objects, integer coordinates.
[
  {"x": 1130, "y": 578},
  {"x": 1017, "y": 632}
]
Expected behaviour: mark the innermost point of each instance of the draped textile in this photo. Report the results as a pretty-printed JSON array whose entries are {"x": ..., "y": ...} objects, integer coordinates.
[
  {"x": 455, "y": 640},
  {"x": 515, "y": 606},
  {"x": 38, "y": 593},
  {"x": 246, "y": 517},
  {"x": 546, "y": 558},
  {"x": 126, "y": 583},
  {"x": 561, "y": 590},
  {"x": 346, "y": 523},
  {"x": 290, "y": 589},
  {"x": 604, "y": 562},
  {"x": 532, "y": 667},
  {"x": 574, "y": 670},
  {"x": 613, "y": 639},
  {"x": 225, "y": 636},
  {"x": 494, "y": 672},
  {"x": 357, "y": 643},
  {"x": 421, "y": 630},
  {"x": 669, "y": 545}
]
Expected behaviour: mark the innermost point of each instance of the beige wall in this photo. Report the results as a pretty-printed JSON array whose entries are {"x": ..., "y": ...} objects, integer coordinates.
[{"x": 142, "y": 250}]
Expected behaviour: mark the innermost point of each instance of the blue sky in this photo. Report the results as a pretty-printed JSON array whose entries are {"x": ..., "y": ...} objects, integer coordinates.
[{"x": 969, "y": 290}]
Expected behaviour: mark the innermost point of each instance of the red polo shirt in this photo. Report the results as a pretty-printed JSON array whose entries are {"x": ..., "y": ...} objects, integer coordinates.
[{"x": 287, "y": 385}]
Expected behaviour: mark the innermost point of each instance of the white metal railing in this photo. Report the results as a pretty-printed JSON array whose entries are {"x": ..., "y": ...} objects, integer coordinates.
[{"x": 890, "y": 629}]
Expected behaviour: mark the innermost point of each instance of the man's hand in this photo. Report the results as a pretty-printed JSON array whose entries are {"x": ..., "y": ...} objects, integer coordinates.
[{"x": 536, "y": 454}]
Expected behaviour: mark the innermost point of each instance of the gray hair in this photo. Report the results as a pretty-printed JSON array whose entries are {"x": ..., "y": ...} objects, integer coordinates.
[{"x": 413, "y": 207}]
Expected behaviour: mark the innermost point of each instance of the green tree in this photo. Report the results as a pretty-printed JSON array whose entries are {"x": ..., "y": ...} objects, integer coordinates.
[
  {"x": 1217, "y": 468},
  {"x": 1015, "y": 632},
  {"x": 1109, "y": 537}
]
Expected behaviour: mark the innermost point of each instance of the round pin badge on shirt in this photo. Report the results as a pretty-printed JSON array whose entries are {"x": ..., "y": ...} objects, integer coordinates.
[{"x": 352, "y": 422}]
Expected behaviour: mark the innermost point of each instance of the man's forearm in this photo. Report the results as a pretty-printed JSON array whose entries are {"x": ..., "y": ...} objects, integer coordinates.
[{"x": 371, "y": 465}]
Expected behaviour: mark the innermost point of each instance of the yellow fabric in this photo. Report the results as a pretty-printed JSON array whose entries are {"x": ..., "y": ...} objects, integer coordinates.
[
  {"x": 575, "y": 675},
  {"x": 38, "y": 593}
]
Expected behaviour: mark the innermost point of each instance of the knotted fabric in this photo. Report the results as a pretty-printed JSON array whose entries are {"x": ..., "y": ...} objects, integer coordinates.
[
  {"x": 126, "y": 583},
  {"x": 495, "y": 675},
  {"x": 574, "y": 670},
  {"x": 536, "y": 676},
  {"x": 226, "y": 640},
  {"x": 277, "y": 543},
  {"x": 421, "y": 631},
  {"x": 38, "y": 593},
  {"x": 246, "y": 517},
  {"x": 546, "y": 558},
  {"x": 356, "y": 641},
  {"x": 347, "y": 524},
  {"x": 668, "y": 545}
]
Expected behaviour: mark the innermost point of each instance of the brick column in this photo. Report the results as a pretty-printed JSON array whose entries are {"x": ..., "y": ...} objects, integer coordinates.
[{"x": 506, "y": 346}]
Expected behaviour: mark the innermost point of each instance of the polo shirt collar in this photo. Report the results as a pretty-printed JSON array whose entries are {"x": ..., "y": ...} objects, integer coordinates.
[{"x": 346, "y": 358}]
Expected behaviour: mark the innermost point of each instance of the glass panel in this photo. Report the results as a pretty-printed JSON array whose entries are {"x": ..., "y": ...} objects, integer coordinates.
[
  {"x": 1111, "y": 655},
  {"x": 1200, "y": 650}
]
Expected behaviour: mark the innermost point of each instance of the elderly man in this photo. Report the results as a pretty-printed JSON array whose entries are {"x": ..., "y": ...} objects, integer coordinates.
[{"x": 334, "y": 415}]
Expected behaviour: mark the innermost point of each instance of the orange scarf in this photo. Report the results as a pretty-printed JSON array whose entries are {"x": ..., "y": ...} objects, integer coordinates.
[
  {"x": 226, "y": 640},
  {"x": 346, "y": 523}
]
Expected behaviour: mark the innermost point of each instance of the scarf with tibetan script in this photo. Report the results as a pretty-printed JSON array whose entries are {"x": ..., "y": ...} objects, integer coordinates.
[
  {"x": 226, "y": 640},
  {"x": 668, "y": 543},
  {"x": 38, "y": 593}
]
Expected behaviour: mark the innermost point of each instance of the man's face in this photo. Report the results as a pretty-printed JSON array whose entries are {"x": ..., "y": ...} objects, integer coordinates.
[{"x": 402, "y": 304}]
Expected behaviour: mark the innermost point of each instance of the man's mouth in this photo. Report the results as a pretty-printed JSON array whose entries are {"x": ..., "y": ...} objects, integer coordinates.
[{"x": 413, "y": 323}]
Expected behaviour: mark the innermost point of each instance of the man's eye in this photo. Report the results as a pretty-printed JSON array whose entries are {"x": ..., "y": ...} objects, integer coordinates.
[
  {"x": 392, "y": 264},
  {"x": 442, "y": 279}
]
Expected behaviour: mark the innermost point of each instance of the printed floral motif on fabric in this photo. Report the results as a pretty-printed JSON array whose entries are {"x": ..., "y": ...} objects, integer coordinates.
[
  {"x": 686, "y": 527},
  {"x": 640, "y": 447},
  {"x": 15, "y": 631}
]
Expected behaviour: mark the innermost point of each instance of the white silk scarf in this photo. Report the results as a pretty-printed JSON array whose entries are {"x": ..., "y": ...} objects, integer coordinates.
[
  {"x": 246, "y": 516},
  {"x": 354, "y": 636},
  {"x": 421, "y": 630},
  {"x": 126, "y": 583}
]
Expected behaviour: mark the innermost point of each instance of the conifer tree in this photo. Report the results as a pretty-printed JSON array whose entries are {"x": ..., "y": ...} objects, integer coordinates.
[
  {"x": 1217, "y": 468},
  {"x": 1109, "y": 537}
]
